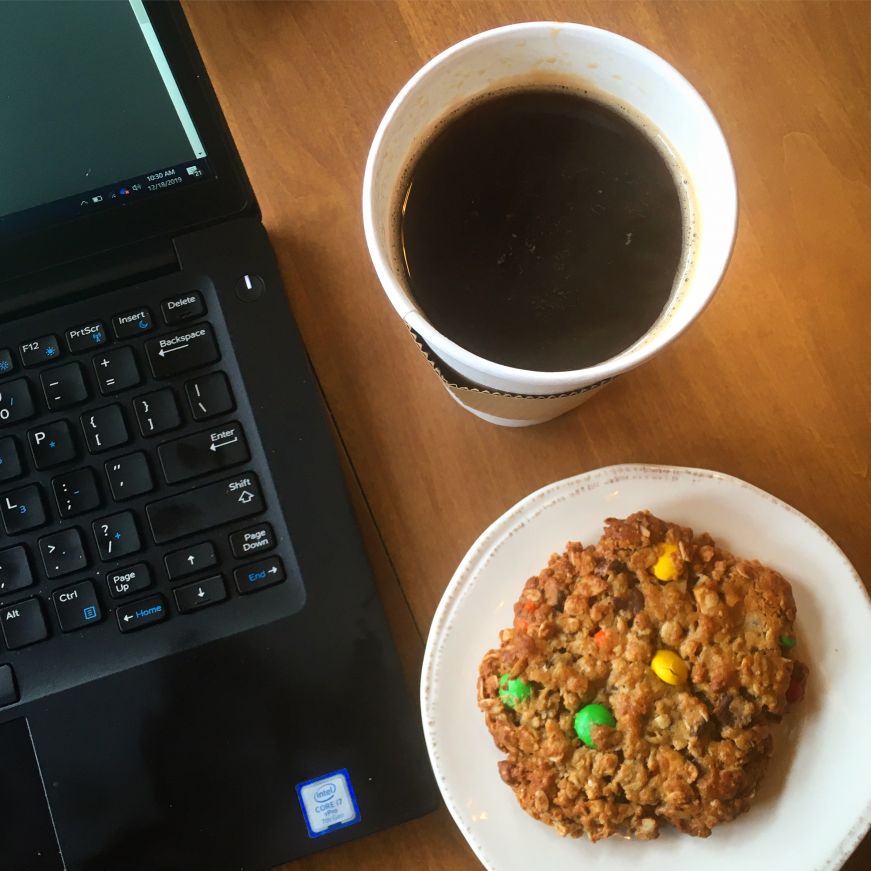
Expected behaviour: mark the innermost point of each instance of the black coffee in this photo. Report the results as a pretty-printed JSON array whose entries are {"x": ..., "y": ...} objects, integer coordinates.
[{"x": 542, "y": 229}]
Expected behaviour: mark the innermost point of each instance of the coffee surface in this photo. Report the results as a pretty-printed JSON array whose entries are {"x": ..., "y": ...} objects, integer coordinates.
[{"x": 542, "y": 229}]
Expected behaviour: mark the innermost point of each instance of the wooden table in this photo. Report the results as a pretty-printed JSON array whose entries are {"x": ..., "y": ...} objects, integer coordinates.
[{"x": 771, "y": 384}]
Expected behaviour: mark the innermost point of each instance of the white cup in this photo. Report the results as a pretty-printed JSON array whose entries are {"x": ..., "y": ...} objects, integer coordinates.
[{"x": 626, "y": 75}]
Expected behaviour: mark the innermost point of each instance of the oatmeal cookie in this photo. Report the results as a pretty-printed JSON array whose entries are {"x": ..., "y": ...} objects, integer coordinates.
[{"x": 641, "y": 683}]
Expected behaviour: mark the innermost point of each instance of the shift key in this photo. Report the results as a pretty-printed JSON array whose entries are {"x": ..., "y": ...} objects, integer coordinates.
[{"x": 206, "y": 507}]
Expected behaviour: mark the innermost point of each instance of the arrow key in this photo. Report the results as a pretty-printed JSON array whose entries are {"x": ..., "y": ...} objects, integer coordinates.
[
  {"x": 190, "y": 560},
  {"x": 256, "y": 576},
  {"x": 192, "y": 597}
]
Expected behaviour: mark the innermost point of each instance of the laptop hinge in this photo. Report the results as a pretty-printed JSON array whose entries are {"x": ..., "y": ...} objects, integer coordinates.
[{"x": 82, "y": 278}]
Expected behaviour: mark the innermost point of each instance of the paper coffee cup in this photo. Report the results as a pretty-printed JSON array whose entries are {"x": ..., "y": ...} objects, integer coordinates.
[{"x": 625, "y": 75}]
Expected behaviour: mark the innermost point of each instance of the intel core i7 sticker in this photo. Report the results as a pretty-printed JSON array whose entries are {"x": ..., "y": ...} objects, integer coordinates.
[{"x": 328, "y": 803}]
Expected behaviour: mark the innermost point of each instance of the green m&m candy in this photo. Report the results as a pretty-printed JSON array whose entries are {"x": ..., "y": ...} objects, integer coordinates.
[
  {"x": 589, "y": 716},
  {"x": 787, "y": 641},
  {"x": 513, "y": 691}
]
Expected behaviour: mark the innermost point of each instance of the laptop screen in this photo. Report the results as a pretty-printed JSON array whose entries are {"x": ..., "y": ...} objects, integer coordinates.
[{"x": 91, "y": 116}]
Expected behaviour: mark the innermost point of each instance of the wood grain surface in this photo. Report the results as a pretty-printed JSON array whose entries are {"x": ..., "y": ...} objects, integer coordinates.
[{"x": 771, "y": 384}]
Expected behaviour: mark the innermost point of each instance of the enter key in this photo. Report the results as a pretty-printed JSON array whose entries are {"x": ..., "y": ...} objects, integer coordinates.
[{"x": 203, "y": 452}]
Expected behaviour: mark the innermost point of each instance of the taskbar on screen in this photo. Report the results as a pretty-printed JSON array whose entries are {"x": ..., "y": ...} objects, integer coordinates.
[{"x": 108, "y": 196}]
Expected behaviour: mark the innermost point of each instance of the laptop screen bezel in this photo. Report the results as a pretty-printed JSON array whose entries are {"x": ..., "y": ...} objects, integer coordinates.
[{"x": 225, "y": 194}]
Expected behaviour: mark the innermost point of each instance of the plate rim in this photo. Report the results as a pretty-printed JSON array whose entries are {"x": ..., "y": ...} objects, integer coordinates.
[{"x": 487, "y": 538}]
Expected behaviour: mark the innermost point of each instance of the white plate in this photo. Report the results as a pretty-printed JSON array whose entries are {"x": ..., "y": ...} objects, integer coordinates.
[{"x": 814, "y": 804}]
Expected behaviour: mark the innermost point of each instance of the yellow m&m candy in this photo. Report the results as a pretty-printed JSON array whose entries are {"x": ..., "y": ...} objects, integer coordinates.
[
  {"x": 665, "y": 568},
  {"x": 669, "y": 667}
]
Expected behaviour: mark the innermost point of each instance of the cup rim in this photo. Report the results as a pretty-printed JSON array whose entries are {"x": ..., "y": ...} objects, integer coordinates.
[{"x": 532, "y": 379}]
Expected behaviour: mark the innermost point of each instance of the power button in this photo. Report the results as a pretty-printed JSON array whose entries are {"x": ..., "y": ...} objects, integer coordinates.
[{"x": 250, "y": 287}]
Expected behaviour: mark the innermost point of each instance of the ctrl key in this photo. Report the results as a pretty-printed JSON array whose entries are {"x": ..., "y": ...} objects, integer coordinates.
[
  {"x": 77, "y": 606},
  {"x": 138, "y": 615}
]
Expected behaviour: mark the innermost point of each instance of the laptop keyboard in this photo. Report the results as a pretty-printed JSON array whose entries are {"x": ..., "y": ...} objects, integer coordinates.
[{"x": 130, "y": 495}]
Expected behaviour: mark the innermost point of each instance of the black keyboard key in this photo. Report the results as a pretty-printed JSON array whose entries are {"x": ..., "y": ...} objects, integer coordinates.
[
  {"x": 64, "y": 386},
  {"x": 132, "y": 323},
  {"x": 209, "y": 395},
  {"x": 22, "y": 509},
  {"x": 39, "y": 351},
  {"x": 116, "y": 536},
  {"x": 190, "y": 560},
  {"x": 105, "y": 428},
  {"x": 182, "y": 308},
  {"x": 8, "y": 689},
  {"x": 257, "y": 576},
  {"x": 123, "y": 582},
  {"x": 10, "y": 459},
  {"x": 157, "y": 412},
  {"x": 76, "y": 492},
  {"x": 203, "y": 452},
  {"x": 62, "y": 553},
  {"x": 16, "y": 402},
  {"x": 77, "y": 606},
  {"x": 23, "y": 624},
  {"x": 52, "y": 445},
  {"x": 201, "y": 594},
  {"x": 129, "y": 476},
  {"x": 252, "y": 540},
  {"x": 7, "y": 363},
  {"x": 116, "y": 370},
  {"x": 86, "y": 337},
  {"x": 138, "y": 615},
  {"x": 186, "y": 349},
  {"x": 205, "y": 507},
  {"x": 15, "y": 573}
]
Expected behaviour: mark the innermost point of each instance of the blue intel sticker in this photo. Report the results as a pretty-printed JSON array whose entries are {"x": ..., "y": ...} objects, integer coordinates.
[{"x": 328, "y": 803}]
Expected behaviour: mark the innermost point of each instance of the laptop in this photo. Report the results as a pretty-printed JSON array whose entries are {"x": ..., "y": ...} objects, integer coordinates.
[{"x": 195, "y": 669}]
